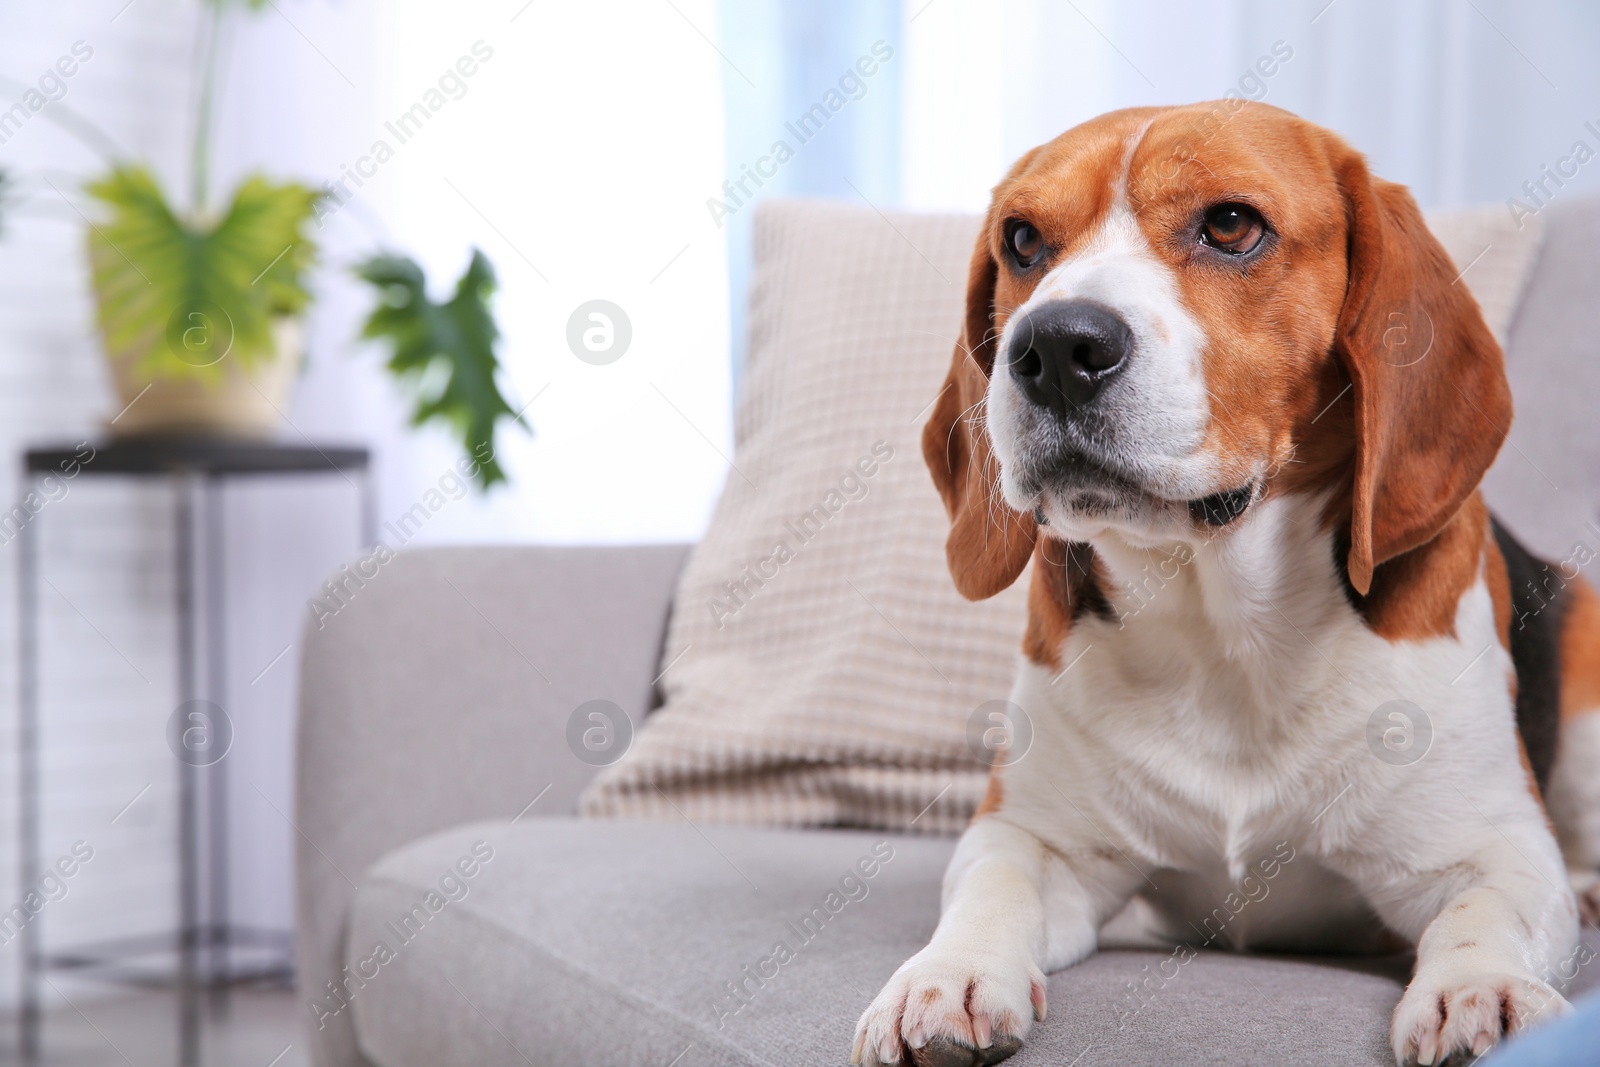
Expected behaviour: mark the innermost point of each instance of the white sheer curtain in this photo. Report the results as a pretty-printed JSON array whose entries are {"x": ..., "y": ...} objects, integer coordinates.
[{"x": 1463, "y": 100}]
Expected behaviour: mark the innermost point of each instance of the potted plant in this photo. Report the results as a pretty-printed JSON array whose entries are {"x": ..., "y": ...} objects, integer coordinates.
[
  {"x": 200, "y": 314},
  {"x": 199, "y": 308}
]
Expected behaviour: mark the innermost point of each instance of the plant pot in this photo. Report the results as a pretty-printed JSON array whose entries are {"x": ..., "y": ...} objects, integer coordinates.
[{"x": 240, "y": 403}]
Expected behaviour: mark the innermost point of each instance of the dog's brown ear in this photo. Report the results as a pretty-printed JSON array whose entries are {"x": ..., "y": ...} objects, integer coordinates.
[
  {"x": 989, "y": 543},
  {"x": 1432, "y": 404}
]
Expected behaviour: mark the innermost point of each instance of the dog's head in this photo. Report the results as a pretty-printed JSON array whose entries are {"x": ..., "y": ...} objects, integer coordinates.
[{"x": 1173, "y": 312}]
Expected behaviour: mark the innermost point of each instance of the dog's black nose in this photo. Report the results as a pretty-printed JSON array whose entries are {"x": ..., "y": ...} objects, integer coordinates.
[{"x": 1063, "y": 353}]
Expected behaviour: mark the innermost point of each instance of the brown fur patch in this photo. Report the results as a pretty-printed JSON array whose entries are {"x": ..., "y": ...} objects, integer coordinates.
[
  {"x": 989, "y": 543},
  {"x": 1428, "y": 423},
  {"x": 1414, "y": 596},
  {"x": 1066, "y": 583},
  {"x": 1499, "y": 580},
  {"x": 993, "y": 796},
  {"x": 1580, "y": 652}
]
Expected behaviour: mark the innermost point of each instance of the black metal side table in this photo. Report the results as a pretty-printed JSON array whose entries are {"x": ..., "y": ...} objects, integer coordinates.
[{"x": 205, "y": 935}]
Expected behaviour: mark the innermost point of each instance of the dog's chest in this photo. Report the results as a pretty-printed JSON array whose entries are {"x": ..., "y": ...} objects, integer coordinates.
[
  {"x": 1198, "y": 759},
  {"x": 1229, "y": 706},
  {"x": 1219, "y": 759}
]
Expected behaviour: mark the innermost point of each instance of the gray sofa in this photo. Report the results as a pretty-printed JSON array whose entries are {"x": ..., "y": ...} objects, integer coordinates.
[{"x": 436, "y": 790}]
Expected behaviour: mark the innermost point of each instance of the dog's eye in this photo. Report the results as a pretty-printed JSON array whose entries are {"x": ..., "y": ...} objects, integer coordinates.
[
  {"x": 1025, "y": 243},
  {"x": 1233, "y": 228}
]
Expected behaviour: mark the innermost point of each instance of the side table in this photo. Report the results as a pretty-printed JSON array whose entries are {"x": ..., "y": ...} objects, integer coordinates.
[{"x": 198, "y": 468}]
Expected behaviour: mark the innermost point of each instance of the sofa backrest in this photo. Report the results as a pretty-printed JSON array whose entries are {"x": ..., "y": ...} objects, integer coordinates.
[{"x": 1545, "y": 485}]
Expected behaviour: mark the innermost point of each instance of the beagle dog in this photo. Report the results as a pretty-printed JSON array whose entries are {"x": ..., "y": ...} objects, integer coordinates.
[{"x": 1230, "y": 397}]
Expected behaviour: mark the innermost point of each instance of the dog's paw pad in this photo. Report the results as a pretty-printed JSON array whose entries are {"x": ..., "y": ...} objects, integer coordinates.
[
  {"x": 943, "y": 1052},
  {"x": 1005, "y": 1046}
]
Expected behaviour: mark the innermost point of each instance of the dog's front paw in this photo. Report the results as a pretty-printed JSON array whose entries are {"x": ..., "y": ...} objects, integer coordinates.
[
  {"x": 945, "y": 1009},
  {"x": 1445, "y": 1016}
]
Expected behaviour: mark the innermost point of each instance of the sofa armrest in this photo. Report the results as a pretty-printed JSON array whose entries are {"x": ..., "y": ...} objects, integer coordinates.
[{"x": 437, "y": 691}]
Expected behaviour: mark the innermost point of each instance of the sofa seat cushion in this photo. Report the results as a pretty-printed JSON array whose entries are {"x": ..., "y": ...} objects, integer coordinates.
[{"x": 619, "y": 943}]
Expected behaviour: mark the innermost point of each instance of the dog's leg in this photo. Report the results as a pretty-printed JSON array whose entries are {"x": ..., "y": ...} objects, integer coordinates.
[
  {"x": 1488, "y": 962},
  {"x": 1572, "y": 795},
  {"x": 1011, "y": 910},
  {"x": 1574, "y": 803}
]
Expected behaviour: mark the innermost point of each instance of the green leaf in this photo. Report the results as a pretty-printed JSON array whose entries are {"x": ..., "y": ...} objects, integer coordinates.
[
  {"x": 156, "y": 273},
  {"x": 444, "y": 353}
]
